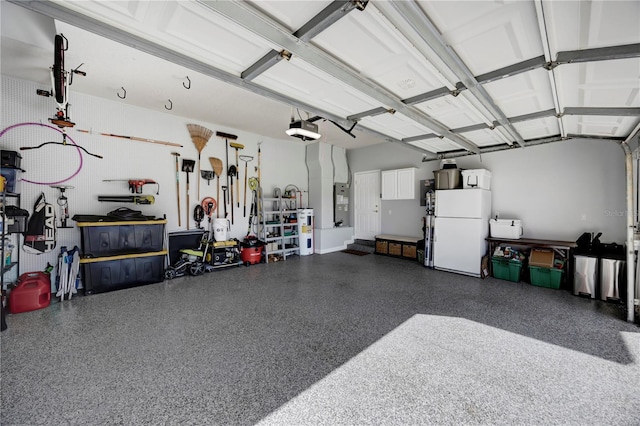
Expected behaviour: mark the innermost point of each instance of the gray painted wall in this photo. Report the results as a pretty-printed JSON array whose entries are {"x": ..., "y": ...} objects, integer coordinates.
[{"x": 558, "y": 190}]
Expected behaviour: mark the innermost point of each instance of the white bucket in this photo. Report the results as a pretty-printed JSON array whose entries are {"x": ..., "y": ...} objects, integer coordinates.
[{"x": 221, "y": 228}]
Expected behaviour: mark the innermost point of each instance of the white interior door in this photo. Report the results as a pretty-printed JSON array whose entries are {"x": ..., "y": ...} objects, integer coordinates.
[{"x": 366, "y": 206}]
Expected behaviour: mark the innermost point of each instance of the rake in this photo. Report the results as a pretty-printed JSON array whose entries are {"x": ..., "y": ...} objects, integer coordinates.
[{"x": 200, "y": 136}]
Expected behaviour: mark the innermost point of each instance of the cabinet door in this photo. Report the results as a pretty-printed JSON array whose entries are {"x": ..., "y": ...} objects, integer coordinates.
[
  {"x": 406, "y": 184},
  {"x": 389, "y": 185}
]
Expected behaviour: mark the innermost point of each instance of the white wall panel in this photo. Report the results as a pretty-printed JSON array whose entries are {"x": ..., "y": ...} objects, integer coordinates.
[{"x": 282, "y": 161}]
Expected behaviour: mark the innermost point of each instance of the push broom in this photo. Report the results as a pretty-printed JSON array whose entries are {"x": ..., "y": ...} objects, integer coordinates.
[{"x": 200, "y": 136}]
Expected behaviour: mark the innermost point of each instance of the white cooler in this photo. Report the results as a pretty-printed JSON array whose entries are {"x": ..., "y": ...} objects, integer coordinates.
[
  {"x": 505, "y": 228},
  {"x": 476, "y": 178}
]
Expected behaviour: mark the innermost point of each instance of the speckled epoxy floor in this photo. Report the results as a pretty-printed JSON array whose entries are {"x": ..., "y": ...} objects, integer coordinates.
[{"x": 331, "y": 339}]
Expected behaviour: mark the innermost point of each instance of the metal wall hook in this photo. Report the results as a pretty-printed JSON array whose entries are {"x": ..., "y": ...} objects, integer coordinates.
[
  {"x": 125, "y": 93},
  {"x": 189, "y": 86},
  {"x": 170, "y": 107}
]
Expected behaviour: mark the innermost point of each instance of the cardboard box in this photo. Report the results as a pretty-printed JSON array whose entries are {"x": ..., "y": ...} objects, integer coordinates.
[{"x": 542, "y": 258}]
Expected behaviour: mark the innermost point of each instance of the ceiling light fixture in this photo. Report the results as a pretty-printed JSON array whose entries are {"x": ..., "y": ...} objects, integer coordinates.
[{"x": 304, "y": 130}]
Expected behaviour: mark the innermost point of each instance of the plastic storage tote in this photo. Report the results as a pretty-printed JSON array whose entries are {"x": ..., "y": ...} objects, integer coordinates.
[
  {"x": 476, "y": 178},
  {"x": 447, "y": 178},
  {"x": 545, "y": 277},
  {"x": 506, "y": 269}
]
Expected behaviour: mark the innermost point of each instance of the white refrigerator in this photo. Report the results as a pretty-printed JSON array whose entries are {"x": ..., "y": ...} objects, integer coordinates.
[{"x": 460, "y": 228}]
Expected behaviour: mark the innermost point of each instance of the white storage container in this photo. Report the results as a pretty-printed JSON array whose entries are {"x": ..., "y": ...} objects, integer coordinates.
[
  {"x": 505, "y": 228},
  {"x": 476, "y": 178}
]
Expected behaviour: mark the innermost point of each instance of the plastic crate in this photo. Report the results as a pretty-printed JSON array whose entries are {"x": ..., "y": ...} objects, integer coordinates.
[
  {"x": 545, "y": 277},
  {"x": 506, "y": 269}
]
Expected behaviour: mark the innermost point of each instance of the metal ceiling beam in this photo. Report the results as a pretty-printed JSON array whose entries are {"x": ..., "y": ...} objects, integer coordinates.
[
  {"x": 604, "y": 138},
  {"x": 422, "y": 25},
  {"x": 624, "y": 51},
  {"x": 262, "y": 64},
  {"x": 424, "y": 97},
  {"x": 323, "y": 20},
  {"x": 420, "y": 137},
  {"x": 370, "y": 113},
  {"x": 331, "y": 14},
  {"x": 511, "y": 70},
  {"x": 546, "y": 48},
  {"x": 61, "y": 13},
  {"x": 516, "y": 119},
  {"x": 533, "y": 116},
  {"x": 256, "y": 22},
  {"x": 614, "y": 112}
]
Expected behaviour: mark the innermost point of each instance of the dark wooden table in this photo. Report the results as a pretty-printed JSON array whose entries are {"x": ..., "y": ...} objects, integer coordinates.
[{"x": 563, "y": 248}]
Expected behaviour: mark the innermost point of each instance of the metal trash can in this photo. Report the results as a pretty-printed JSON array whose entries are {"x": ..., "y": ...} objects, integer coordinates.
[
  {"x": 585, "y": 275},
  {"x": 613, "y": 277}
]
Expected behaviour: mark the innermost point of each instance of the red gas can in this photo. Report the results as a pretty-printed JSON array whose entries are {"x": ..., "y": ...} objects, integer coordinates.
[{"x": 32, "y": 292}]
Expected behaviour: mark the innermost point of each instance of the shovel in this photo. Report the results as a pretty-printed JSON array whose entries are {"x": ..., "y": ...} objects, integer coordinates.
[
  {"x": 187, "y": 167},
  {"x": 232, "y": 173},
  {"x": 207, "y": 175}
]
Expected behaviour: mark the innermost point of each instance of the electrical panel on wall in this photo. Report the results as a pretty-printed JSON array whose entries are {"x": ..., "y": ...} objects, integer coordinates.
[{"x": 341, "y": 204}]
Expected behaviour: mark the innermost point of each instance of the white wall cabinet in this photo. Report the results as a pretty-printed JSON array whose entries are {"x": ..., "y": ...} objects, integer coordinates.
[{"x": 399, "y": 184}]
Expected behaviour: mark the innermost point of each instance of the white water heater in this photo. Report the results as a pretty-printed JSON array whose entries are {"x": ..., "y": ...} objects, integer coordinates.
[{"x": 305, "y": 231}]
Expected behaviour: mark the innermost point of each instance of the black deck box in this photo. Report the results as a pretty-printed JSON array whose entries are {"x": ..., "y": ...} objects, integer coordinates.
[
  {"x": 114, "y": 238},
  {"x": 117, "y": 272}
]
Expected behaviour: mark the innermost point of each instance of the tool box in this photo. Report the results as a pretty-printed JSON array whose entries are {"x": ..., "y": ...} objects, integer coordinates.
[
  {"x": 11, "y": 159},
  {"x": 16, "y": 219}
]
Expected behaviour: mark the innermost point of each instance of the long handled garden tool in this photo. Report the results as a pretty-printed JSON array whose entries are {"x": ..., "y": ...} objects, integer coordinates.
[
  {"x": 176, "y": 155},
  {"x": 226, "y": 137},
  {"x": 200, "y": 136},
  {"x": 246, "y": 159},
  {"x": 224, "y": 191},
  {"x": 216, "y": 165},
  {"x": 232, "y": 172},
  {"x": 258, "y": 167},
  {"x": 253, "y": 210},
  {"x": 187, "y": 166},
  {"x": 238, "y": 147}
]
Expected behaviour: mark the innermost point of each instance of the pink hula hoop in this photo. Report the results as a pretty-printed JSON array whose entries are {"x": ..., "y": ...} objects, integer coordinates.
[{"x": 59, "y": 131}]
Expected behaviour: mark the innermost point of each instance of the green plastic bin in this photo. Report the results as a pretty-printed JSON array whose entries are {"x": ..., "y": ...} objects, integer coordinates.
[
  {"x": 545, "y": 277},
  {"x": 506, "y": 269}
]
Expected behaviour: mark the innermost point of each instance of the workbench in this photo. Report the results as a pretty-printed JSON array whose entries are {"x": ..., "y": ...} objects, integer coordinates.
[{"x": 563, "y": 248}]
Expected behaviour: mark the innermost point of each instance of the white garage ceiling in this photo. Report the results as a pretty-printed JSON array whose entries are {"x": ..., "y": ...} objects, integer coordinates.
[{"x": 446, "y": 78}]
